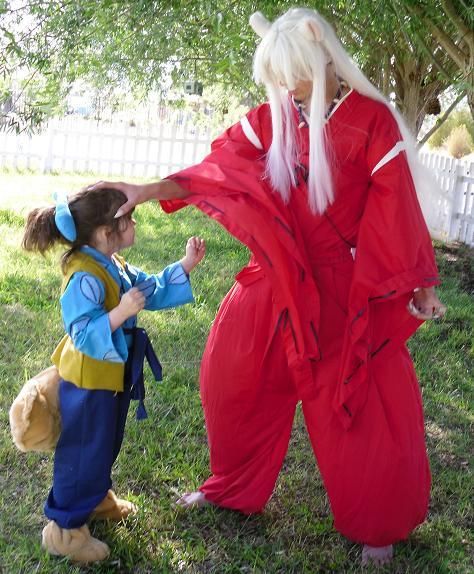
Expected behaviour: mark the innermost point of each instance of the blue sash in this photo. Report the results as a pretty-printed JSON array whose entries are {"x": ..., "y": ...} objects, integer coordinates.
[{"x": 141, "y": 349}]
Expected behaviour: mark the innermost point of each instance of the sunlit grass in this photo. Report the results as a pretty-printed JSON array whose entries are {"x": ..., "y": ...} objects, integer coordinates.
[{"x": 167, "y": 453}]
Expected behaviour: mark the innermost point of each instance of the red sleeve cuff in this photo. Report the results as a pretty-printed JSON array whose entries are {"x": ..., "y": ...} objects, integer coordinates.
[{"x": 172, "y": 205}]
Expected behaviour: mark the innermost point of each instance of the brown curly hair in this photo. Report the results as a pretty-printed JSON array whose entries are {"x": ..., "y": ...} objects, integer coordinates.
[{"x": 90, "y": 209}]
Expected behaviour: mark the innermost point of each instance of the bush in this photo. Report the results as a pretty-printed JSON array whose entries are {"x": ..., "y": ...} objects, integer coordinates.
[
  {"x": 461, "y": 117},
  {"x": 459, "y": 142}
]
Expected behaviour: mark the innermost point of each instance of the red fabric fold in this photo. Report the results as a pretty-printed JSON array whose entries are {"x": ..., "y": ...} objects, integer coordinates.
[
  {"x": 245, "y": 206},
  {"x": 394, "y": 252}
]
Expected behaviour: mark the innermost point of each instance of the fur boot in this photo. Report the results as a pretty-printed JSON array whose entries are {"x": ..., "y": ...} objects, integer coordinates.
[
  {"x": 113, "y": 508},
  {"x": 75, "y": 543}
]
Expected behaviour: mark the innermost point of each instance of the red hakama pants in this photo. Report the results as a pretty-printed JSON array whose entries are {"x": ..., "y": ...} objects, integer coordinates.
[{"x": 376, "y": 473}]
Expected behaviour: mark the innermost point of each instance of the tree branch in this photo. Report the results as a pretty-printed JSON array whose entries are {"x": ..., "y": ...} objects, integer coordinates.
[
  {"x": 402, "y": 27},
  {"x": 450, "y": 10},
  {"x": 444, "y": 40},
  {"x": 441, "y": 120},
  {"x": 431, "y": 55}
]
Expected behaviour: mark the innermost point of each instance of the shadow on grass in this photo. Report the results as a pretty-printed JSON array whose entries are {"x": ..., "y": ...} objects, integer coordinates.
[{"x": 457, "y": 259}]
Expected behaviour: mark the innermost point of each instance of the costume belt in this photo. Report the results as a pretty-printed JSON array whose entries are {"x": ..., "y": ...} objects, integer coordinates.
[{"x": 141, "y": 349}]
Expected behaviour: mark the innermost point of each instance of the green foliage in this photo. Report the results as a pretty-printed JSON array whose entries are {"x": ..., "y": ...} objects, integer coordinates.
[
  {"x": 141, "y": 43},
  {"x": 30, "y": 99},
  {"x": 167, "y": 454},
  {"x": 5, "y": 90},
  {"x": 443, "y": 30},
  {"x": 217, "y": 109}
]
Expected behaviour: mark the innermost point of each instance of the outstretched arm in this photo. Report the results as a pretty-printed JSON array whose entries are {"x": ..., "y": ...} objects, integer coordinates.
[{"x": 136, "y": 194}]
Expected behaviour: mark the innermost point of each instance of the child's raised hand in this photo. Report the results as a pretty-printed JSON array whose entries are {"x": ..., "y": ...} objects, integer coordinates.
[{"x": 195, "y": 251}]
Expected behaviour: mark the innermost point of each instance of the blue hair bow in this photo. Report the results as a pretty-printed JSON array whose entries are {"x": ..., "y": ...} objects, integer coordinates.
[{"x": 63, "y": 217}]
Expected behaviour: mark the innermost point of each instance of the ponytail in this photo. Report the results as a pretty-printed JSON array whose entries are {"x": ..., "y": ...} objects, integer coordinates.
[{"x": 41, "y": 232}]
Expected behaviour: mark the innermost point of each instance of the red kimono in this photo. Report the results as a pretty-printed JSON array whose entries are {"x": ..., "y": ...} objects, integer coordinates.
[{"x": 307, "y": 320}]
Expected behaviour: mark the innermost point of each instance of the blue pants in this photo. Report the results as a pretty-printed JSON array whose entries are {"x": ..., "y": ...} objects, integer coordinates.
[{"x": 93, "y": 423}]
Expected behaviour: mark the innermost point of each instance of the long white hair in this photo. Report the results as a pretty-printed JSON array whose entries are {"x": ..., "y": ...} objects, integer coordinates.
[{"x": 298, "y": 46}]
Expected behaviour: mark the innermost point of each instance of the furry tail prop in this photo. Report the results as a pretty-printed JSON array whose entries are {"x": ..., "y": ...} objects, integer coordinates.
[{"x": 35, "y": 421}]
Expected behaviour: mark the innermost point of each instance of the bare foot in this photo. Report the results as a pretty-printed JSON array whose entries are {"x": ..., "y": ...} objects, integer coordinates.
[
  {"x": 192, "y": 500},
  {"x": 378, "y": 556}
]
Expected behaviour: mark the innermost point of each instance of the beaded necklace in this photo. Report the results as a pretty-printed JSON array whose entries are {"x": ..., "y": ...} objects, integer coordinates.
[{"x": 302, "y": 120}]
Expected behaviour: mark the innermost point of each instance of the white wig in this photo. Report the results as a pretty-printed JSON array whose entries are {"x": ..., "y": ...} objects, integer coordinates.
[{"x": 298, "y": 46}]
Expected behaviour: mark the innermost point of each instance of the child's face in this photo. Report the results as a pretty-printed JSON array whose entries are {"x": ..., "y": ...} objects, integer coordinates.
[{"x": 126, "y": 238}]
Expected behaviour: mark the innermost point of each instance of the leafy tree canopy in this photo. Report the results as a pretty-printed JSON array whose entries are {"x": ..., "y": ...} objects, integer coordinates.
[{"x": 414, "y": 50}]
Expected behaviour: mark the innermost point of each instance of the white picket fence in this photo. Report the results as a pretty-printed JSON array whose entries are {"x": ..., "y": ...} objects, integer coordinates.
[
  {"x": 78, "y": 146},
  {"x": 121, "y": 150},
  {"x": 454, "y": 199}
]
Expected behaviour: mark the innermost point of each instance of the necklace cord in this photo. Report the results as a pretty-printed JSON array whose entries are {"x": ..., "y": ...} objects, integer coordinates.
[{"x": 302, "y": 123}]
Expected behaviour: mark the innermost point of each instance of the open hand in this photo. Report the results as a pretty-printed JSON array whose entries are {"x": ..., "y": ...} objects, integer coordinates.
[
  {"x": 195, "y": 251},
  {"x": 135, "y": 193},
  {"x": 165, "y": 189}
]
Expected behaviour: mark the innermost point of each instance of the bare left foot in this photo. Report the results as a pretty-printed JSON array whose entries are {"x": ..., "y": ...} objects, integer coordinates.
[
  {"x": 192, "y": 500},
  {"x": 378, "y": 556}
]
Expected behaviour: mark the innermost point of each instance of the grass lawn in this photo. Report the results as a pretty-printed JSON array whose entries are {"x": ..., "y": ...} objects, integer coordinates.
[{"x": 166, "y": 454}]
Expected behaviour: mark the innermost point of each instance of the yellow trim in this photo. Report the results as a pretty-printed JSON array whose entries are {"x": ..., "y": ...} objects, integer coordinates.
[{"x": 74, "y": 366}]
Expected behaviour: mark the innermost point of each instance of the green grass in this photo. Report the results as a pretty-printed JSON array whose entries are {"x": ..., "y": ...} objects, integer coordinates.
[{"x": 167, "y": 454}]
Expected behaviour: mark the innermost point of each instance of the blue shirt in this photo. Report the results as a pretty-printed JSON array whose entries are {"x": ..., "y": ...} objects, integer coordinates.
[{"x": 86, "y": 320}]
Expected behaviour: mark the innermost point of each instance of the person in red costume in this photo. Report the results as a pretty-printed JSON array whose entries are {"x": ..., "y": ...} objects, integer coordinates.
[{"x": 321, "y": 184}]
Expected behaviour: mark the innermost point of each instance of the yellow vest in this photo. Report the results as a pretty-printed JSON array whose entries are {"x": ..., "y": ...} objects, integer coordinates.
[{"x": 74, "y": 366}]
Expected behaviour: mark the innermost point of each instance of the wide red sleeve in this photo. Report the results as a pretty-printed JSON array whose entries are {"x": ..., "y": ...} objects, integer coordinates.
[
  {"x": 394, "y": 256},
  {"x": 229, "y": 186},
  {"x": 247, "y": 142}
]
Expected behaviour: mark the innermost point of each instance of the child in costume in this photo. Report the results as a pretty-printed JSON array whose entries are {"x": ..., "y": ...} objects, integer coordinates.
[{"x": 100, "y": 360}]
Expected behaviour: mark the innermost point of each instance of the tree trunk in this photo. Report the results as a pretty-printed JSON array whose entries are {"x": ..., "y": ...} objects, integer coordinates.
[
  {"x": 408, "y": 92},
  {"x": 415, "y": 88}
]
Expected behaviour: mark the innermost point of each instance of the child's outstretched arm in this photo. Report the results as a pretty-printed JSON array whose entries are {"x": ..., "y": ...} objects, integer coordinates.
[
  {"x": 195, "y": 251},
  {"x": 171, "y": 287}
]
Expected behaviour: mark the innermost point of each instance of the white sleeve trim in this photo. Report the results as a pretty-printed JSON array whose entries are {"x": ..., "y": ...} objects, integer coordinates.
[
  {"x": 250, "y": 133},
  {"x": 397, "y": 148}
]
